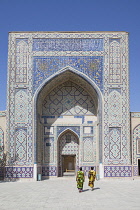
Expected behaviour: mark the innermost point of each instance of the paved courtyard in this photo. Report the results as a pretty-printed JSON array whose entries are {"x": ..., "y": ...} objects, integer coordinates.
[{"x": 61, "y": 193}]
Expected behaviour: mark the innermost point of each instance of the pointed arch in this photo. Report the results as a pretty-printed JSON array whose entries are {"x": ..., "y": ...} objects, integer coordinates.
[
  {"x": 68, "y": 73},
  {"x": 66, "y": 131},
  {"x": 68, "y": 145}
]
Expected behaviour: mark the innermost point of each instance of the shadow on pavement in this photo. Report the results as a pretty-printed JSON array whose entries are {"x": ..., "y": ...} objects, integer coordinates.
[
  {"x": 97, "y": 188},
  {"x": 85, "y": 190}
]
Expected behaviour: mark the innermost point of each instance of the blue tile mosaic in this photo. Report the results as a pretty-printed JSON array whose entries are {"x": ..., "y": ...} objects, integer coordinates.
[
  {"x": 118, "y": 171},
  {"x": 44, "y": 67},
  {"x": 67, "y": 44},
  {"x": 19, "y": 172}
]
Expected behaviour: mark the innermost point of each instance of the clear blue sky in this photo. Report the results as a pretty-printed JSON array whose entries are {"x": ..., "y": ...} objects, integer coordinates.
[{"x": 72, "y": 15}]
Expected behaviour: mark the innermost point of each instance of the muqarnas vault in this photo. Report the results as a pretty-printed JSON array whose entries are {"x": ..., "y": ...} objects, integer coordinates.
[{"x": 68, "y": 105}]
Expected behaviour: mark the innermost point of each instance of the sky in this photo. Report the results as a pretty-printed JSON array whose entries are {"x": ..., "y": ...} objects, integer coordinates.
[{"x": 73, "y": 15}]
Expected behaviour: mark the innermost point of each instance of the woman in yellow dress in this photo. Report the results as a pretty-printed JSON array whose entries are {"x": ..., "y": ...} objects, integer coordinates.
[
  {"x": 91, "y": 176},
  {"x": 80, "y": 178}
]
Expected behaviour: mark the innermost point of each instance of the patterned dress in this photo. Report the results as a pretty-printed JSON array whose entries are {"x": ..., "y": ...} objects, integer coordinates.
[
  {"x": 80, "y": 179},
  {"x": 91, "y": 176}
]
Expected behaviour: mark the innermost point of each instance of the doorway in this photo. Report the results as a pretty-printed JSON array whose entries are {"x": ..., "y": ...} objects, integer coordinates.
[
  {"x": 68, "y": 164},
  {"x": 68, "y": 153}
]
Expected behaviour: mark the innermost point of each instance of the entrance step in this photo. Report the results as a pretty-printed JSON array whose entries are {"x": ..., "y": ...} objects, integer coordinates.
[{"x": 69, "y": 173}]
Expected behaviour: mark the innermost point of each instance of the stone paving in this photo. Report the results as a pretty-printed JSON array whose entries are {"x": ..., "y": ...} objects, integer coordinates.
[{"x": 61, "y": 193}]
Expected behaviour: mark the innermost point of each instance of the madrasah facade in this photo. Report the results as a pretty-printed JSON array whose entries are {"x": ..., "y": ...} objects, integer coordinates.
[{"x": 68, "y": 106}]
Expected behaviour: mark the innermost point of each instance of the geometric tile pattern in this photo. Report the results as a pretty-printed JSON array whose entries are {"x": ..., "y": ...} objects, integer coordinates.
[
  {"x": 67, "y": 44},
  {"x": 115, "y": 143},
  {"x": 19, "y": 172},
  {"x": 21, "y": 144},
  {"x": 135, "y": 170},
  {"x": 136, "y": 137},
  {"x": 21, "y": 61},
  {"x": 68, "y": 99},
  {"x": 21, "y": 103},
  {"x": 118, "y": 45},
  {"x": 48, "y": 171},
  {"x": 46, "y": 66},
  {"x": 88, "y": 149},
  {"x": 117, "y": 171},
  {"x": 115, "y": 112},
  {"x": 68, "y": 148},
  {"x": 114, "y": 61},
  {"x": 99, "y": 64}
]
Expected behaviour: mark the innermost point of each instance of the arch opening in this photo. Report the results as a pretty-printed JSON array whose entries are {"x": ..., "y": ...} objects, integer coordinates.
[
  {"x": 68, "y": 153},
  {"x": 66, "y": 102}
]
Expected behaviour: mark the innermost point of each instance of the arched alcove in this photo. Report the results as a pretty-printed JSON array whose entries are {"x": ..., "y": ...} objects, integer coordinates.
[
  {"x": 68, "y": 100},
  {"x": 68, "y": 152}
]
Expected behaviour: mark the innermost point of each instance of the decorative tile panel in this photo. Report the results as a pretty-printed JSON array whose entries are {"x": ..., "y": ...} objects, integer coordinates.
[
  {"x": 68, "y": 148},
  {"x": 19, "y": 172},
  {"x": 117, "y": 171},
  {"x": 118, "y": 79},
  {"x": 21, "y": 104},
  {"x": 114, "y": 61},
  {"x": 135, "y": 170},
  {"x": 115, "y": 108},
  {"x": 88, "y": 149},
  {"x": 67, "y": 44},
  {"x": 68, "y": 99},
  {"x": 21, "y": 60},
  {"x": 44, "y": 67},
  {"x": 21, "y": 144},
  {"x": 115, "y": 143}
]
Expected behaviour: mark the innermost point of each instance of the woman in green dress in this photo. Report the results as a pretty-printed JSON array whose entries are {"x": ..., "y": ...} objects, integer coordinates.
[{"x": 80, "y": 178}]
